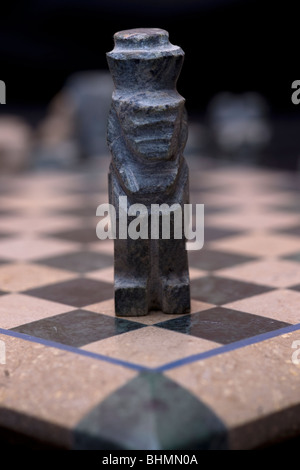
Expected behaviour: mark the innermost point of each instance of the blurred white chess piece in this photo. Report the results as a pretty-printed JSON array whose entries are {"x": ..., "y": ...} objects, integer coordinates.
[
  {"x": 239, "y": 122},
  {"x": 16, "y": 139}
]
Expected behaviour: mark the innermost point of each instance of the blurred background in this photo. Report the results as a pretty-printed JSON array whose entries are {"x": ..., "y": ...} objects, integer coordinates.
[{"x": 241, "y": 60}]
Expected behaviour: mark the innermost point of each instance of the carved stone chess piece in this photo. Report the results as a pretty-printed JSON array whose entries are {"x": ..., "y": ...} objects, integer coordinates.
[{"x": 147, "y": 133}]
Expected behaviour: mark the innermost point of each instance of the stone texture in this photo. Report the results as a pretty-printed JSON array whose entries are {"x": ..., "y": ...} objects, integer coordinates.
[
  {"x": 45, "y": 392},
  {"x": 147, "y": 132},
  {"x": 254, "y": 390}
]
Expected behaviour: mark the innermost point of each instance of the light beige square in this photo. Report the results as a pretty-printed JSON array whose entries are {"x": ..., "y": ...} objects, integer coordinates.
[
  {"x": 271, "y": 272},
  {"x": 102, "y": 246},
  {"x": 22, "y": 276},
  {"x": 252, "y": 220},
  {"x": 105, "y": 274},
  {"x": 151, "y": 346},
  {"x": 40, "y": 201},
  {"x": 282, "y": 305},
  {"x": 18, "y": 309},
  {"x": 258, "y": 244},
  {"x": 30, "y": 248},
  {"x": 38, "y": 223}
]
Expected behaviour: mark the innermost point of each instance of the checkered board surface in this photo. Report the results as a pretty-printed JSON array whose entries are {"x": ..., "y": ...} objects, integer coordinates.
[{"x": 222, "y": 376}]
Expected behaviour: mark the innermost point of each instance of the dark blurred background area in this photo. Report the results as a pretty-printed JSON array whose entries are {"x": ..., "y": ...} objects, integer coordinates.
[{"x": 240, "y": 62}]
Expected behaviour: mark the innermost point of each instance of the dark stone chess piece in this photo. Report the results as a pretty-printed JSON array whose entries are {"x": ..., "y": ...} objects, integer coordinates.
[{"x": 147, "y": 132}]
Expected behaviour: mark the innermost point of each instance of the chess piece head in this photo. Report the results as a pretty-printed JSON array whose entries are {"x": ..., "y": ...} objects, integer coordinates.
[{"x": 145, "y": 67}]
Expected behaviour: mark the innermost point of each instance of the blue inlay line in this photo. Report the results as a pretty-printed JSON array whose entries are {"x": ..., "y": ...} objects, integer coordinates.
[
  {"x": 171, "y": 365},
  {"x": 229, "y": 347},
  {"x": 72, "y": 349}
]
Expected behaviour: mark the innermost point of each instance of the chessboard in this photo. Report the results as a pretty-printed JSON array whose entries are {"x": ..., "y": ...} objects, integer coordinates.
[{"x": 75, "y": 376}]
